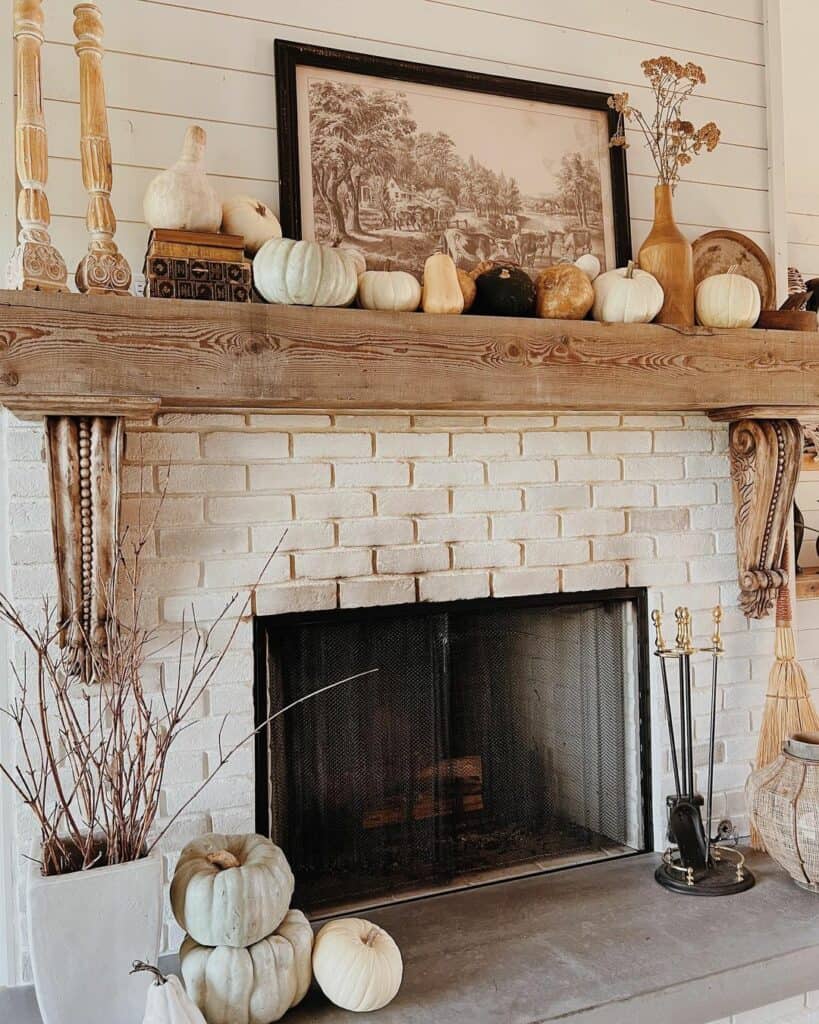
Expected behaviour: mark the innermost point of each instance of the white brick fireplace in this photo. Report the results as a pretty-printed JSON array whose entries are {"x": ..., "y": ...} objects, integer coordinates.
[{"x": 386, "y": 509}]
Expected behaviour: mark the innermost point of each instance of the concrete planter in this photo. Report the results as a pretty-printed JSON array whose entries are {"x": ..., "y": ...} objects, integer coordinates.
[{"x": 85, "y": 931}]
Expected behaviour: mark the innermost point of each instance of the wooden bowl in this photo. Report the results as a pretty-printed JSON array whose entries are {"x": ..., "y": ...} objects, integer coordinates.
[{"x": 787, "y": 320}]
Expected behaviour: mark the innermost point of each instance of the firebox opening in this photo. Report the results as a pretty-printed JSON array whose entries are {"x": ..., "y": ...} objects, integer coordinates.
[{"x": 499, "y": 737}]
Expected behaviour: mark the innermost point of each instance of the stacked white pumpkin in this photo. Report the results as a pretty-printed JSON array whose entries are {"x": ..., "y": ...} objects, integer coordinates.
[{"x": 246, "y": 958}]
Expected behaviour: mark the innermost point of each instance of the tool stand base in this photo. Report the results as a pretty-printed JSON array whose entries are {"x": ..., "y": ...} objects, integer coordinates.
[{"x": 726, "y": 876}]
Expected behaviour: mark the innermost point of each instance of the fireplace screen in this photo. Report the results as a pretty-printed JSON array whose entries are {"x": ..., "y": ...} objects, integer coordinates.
[{"x": 494, "y": 734}]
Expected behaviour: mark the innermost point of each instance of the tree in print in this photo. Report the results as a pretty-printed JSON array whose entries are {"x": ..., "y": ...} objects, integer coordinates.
[{"x": 578, "y": 182}]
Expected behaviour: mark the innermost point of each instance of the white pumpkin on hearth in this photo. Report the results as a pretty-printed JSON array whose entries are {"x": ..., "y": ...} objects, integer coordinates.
[
  {"x": 167, "y": 1001},
  {"x": 231, "y": 890},
  {"x": 357, "y": 965},
  {"x": 304, "y": 274},
  {"x": 256, "y": 985}
]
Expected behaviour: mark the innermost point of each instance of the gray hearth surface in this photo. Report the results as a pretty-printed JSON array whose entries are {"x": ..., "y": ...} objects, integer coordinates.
[{"x": 602, "y": 944}]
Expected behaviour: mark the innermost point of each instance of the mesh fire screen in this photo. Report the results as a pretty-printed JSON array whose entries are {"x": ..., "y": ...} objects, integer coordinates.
[{"x": 495, "y": 733}]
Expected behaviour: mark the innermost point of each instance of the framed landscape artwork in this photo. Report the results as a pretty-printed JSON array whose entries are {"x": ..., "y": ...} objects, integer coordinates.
[{"x": 400, "y": 160}]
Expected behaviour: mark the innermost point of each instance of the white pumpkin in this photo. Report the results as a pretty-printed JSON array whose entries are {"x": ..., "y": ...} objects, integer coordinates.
[
  {"x": 389, "y": 289},
  {"x": 589, "y": 264},
  {"x": 181, "y": 197},
  {"x": 626, "y": 296},
  {"x": 727, "y": 300},
  {"x": 357, "y": 964},
  {"x": 358, "y": 258},
  {"x": 256, "y": 985},
  {"x": 167, "y": 1001},
  {"x": 304, "y": 274},
  {"x": 231, "y": 890},
  {"x": 250, "y": 218}
]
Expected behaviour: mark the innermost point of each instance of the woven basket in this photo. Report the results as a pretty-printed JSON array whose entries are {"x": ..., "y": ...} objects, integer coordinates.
[{"x": 783, "y": 800}]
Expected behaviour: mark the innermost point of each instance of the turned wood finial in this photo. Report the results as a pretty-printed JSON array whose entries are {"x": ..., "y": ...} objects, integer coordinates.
[
  {"x": 35, "y": 263},
  {"x": 103, "y": 268}
]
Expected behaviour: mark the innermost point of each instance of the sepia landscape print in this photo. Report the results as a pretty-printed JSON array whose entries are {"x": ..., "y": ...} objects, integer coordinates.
[{"x": 400, "y": 170}]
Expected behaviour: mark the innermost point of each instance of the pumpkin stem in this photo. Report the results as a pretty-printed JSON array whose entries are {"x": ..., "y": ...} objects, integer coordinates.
[
  {"x": 630, "y": 270},
  {"x": 140, "y": 965},
  {"x": 372, "y": 935},
  {"x": 223, "y": 859},
  {"x": 733, "y": 269}
]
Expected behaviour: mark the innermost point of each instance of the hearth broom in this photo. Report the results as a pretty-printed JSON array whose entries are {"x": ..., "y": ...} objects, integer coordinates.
[{"x": 788, "y": 704}]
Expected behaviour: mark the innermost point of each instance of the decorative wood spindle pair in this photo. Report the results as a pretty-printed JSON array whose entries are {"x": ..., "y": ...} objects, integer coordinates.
[{"x": 36, "y": 262}]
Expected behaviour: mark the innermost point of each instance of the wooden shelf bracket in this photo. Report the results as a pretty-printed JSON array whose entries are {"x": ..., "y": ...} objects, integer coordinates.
[
  {"x": 84, "y": 462},
  {"x": 765, "y": 461}
]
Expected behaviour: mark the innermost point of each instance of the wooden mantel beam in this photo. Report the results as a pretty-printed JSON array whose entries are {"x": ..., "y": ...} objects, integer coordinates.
[{"x": 59, "y": 352}]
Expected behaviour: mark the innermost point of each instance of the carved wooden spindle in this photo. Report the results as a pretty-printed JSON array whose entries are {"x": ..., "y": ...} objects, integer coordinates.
[
  {"x": 84, "y": 460},
  {"x": 103, "y": 268},
  {"x": 36, "y": 263},
  {"x": 765, "y": 461}
]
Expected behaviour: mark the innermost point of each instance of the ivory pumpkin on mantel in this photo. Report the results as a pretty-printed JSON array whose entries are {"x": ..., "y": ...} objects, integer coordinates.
[
  {"x": 231, "y": 890},
  {"x": 394, "y": 290},
  {"x": 304, "y": 274},
  {"x": 626, "y": 296},
  {"x": 181, "y": 197},
  {"x": 728, "y": 300},
  {"x": 252, "y": 219}
]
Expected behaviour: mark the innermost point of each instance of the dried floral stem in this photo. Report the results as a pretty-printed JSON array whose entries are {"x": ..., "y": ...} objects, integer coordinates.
[{"x": 672, "y": 141}]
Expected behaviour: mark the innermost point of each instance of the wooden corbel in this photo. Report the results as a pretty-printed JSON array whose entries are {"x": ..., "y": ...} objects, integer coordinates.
[
  {"x": 84, "y": 460},
  {"x": 35, "y": 263},
  {"x": 765, "y": 461}
]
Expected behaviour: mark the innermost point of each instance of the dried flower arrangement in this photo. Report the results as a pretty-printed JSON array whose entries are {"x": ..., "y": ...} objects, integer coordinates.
[
  {"x": 672, "y": 141},
  {"x": 92, "y": 757}
]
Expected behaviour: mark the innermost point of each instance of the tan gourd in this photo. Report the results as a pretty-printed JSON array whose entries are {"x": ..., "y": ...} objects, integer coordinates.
[
  {"x": 167, "y": 1001},
  {"x": 442, "y": 290},
  {"x": 727, "y": 300},
  {"x": 564, "y": 292},
  {"x": 468, "y": 287},
  {"x": 252, "y": 219},
  {"x": 181, "y": 197},
  {"x": 256, "y": 985},
  {"x": 304, "y": 274},
  {"x": 394, "y": 290},
  {"x": 231, "y": 890},
  {"x": 357, "y": 965}
]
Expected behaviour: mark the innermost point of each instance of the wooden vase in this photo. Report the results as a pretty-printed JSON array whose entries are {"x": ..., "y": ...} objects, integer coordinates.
[{"x": 667, "y": 254}]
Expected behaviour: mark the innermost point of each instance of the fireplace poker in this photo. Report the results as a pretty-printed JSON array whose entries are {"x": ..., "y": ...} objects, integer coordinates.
[
  {"x": 661, "y": 649},
  {"x": 716, "y": 650}
]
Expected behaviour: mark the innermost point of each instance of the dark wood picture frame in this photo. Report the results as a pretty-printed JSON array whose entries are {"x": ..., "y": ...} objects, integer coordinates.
[{"x": 289, "y": 55}]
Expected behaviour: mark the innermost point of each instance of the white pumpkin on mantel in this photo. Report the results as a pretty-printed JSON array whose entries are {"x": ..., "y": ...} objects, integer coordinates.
[
  {"x": 256, "y": 985},
  {"x": 626, "y": 296},
  {"x": 727, "y": 300},
  {"x": 252, "y": 219},
  {"x": 304, "y": 274},
  {"x": 357, "y": 965},
  {"x": 181, "y": 197},
  {"x": 394, "y": 290},
  {"x": 231, "y": 890}
]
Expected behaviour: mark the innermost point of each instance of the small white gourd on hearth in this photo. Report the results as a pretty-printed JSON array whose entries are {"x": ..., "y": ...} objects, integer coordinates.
[
  {"x": 727, "y": 300},
  {"x": 394, "y": 290},
  {"x": 252, "y": 219},
  {"x": 626, "y": 296},
  {"x": 256, "y": 985},
  {"x": 357, "y": 965},
  {"x": 231, "y": 890},
  {"x": 181, "y": 197},
  {"x": 167, "y": 1001},
  {"x": 304, "y": 273}
]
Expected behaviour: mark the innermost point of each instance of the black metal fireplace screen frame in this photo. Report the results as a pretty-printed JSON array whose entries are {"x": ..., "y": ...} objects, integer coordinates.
[{"x": 266, "y": 628}]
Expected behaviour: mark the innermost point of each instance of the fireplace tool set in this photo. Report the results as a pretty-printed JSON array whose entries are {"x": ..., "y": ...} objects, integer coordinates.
[{"x": 698, "y": 864}]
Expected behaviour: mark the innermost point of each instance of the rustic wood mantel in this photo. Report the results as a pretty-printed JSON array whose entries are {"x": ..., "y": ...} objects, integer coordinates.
[
  {"x": 106, "y": 354},
  {"x": 85, "y": 362}
]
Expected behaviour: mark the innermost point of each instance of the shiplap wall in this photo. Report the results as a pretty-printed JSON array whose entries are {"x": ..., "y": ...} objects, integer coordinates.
[
  {"x": 800, "y": 28},
  {"x": 170, "y": 62}
]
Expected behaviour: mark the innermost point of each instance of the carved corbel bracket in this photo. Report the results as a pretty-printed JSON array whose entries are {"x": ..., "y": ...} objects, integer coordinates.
[
  {"x": 765, "y": 461},
  {"x": 84, "y": 461}
]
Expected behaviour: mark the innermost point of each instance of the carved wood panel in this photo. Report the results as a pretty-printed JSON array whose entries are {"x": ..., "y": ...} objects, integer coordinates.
[
  {"x": 765, "y": 461},
  {"x": 84, "y": 460}
]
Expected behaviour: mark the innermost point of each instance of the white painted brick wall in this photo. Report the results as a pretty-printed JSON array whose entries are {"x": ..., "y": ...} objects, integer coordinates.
[{"x": 395, "y": 509}]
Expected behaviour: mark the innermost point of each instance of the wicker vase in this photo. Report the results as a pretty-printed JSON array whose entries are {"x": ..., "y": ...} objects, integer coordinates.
[
  {"x": 667, "y": 254},
  {"x": 783, "y": 800}
]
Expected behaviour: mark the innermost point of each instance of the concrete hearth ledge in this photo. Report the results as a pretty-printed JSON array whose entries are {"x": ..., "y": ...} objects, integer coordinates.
[{"x": 601, "y": 944}]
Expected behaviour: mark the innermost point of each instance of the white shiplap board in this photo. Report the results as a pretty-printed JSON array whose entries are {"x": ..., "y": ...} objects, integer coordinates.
[{"x": 170, "y": 62}]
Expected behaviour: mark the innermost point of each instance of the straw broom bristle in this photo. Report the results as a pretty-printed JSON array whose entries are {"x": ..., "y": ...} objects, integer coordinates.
[{"x": 788, "y": 706}]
